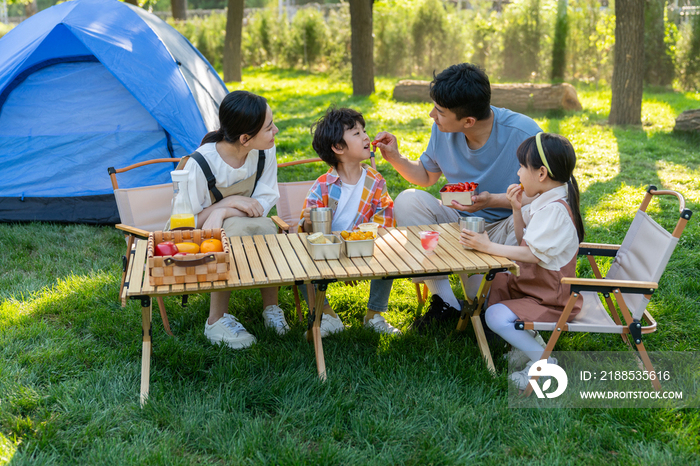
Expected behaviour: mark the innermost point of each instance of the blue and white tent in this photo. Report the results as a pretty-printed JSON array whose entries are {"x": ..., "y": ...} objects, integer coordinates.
[{"x": 91, "y": 84}]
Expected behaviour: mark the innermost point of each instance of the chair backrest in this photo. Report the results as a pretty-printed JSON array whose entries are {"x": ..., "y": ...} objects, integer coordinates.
[
  {"x": 291, "y": 201},
  {"x": 643, "y": 256},
  {"x": 147, "y": 208},
  {"x": 292, "y": 195},
  {"x": 646, "y": 249}
]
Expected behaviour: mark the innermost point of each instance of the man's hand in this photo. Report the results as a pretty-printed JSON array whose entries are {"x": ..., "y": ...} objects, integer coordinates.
[
  {"x": 388, "y": 146},
  {"x": 480, "y": 201}
]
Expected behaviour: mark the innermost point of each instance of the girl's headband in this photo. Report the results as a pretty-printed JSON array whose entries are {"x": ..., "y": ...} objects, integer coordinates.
[{"x": 538, "y": 139}]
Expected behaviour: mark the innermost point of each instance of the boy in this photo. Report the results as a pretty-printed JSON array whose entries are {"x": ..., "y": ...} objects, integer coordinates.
[{"x": 357, "y": 194}]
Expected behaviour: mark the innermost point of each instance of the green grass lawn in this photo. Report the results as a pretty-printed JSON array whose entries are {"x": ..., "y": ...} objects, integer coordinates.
[{"x": 70, "y": 354}]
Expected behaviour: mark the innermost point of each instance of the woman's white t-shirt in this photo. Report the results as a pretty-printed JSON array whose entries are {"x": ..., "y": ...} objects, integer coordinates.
[
  {"x": 549, "y": 231},
  {"x": 266, "y": 192},
  {"x": 348, "y": 204}
]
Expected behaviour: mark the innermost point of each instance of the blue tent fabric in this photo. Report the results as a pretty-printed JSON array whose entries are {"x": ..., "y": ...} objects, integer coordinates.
[{"x": 86, "y": 85}]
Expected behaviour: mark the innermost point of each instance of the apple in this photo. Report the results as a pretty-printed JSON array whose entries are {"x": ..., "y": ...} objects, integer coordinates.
[
  {"x": 166, "y": 248},
  {"x": 182, "y": 254}
]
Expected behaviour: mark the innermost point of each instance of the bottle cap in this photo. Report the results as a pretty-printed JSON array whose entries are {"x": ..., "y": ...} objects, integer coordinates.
[{"x": 179, "y": 175}]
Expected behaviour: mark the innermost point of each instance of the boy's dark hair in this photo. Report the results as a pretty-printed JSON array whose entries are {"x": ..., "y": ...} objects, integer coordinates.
[
  {"x": 561, "y": 158},
  {"x": 463, "y": 89},
  {"x": 328, "y": 131}
]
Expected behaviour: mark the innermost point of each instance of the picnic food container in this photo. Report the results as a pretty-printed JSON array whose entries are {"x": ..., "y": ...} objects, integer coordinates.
[
  {"x": 192, "y": 268},
  {"x": 463, "y": 197},
  {"x": 321, "y": 220},
  {"x": 477, "y": 224},
  {"x": 369, "y": 226},
  {"x": 325, "y": 251},
  {"x": 359, "y": 247}
]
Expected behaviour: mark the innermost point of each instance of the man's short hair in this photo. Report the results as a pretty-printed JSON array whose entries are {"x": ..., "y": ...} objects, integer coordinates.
[
  {"x": 463, "y": 89},
  {"x": 328, "y": 132}
]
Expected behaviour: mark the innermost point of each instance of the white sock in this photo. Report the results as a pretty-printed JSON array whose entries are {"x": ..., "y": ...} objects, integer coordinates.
[{"x": 442, "y": 288}]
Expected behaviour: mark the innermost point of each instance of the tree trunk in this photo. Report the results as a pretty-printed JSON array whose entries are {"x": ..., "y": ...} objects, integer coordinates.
[
  {"x": 362, "y": 47},
  {"x": 628, "y": 65},
  {"x": 688, "y": 121},
  {"x": 561, "y": 29},
  {"x": 518, "y": 97},
  {"x": 658, "y": 65},
  {"x": 232, "y": 43},
  {"x": 132, "y": 2},
  {"x": 31, "y": 8},
  {"x": 179, "y": 9}
]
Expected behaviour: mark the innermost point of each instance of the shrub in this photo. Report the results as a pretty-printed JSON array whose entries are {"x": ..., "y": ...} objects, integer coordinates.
[
  {"x": 337, "y": 51},
  {"x": 207, "y": 34},
  {"x": 429, "y": 34},
  {"x": 689, "y": 54},
  {"x": 392, "y": 38},
  {"x": 308, "y": 37},
  {"x": 521, "y": 40}
]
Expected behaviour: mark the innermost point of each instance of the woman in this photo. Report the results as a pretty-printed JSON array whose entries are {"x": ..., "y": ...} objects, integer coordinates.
[{"x": 233, "y": 185}]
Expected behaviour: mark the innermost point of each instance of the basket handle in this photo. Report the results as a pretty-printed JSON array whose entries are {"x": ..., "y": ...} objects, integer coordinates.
[{"x": 189, "y": 263}]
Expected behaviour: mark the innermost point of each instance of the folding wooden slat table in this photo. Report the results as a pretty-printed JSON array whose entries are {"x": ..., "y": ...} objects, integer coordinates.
[{"x": 283, "y": 259}]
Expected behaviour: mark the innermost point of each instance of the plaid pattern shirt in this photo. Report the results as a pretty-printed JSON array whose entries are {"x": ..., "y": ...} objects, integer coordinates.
[{"x": 376, "y": 204}]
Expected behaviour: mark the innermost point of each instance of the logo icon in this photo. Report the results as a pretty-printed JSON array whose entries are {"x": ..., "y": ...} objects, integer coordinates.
[{"x": 544, "y": 369}]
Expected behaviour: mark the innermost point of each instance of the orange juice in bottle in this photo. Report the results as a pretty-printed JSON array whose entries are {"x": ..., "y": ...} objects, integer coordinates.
[{"x": 181, "y": 215}]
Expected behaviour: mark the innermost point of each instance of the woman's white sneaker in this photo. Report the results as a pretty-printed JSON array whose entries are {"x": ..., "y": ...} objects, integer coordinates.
[
  {"x": 274, "y": 318},
  {"x": 330, "y": 324},
  {"x": 379, "y": 324},
  {"x": 230, "y": 331}
]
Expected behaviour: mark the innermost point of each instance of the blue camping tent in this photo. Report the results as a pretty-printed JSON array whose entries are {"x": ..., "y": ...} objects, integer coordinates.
[{"x": 90, "y": 84}]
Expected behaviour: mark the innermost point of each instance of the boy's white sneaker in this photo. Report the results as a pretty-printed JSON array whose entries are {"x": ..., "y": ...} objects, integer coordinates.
[
  {"x": 274, "y": 318},
  {"x": 330, "y": 324},
  {"x": 230, "y": 331},
  {"x": 379, "y": 324}
]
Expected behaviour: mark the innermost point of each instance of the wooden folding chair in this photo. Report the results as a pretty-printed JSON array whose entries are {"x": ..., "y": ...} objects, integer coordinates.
[{"x": 632, "y": 278}]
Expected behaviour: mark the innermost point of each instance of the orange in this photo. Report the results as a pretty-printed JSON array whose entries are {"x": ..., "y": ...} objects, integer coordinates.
[
  {"x": 192, "y": 248},
  {"x": 211, "y": 245}
]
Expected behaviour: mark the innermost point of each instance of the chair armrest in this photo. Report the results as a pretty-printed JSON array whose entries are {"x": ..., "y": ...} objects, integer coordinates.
[
  {"x": 595, "y": 249},
  {"x": 603, "y": 285},
  {"x": 281, "y": 224},
  {"x": 132, "y": 230}
]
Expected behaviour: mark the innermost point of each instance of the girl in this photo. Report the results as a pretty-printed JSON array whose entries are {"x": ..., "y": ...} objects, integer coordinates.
[
  {"x": 233, "y": 185},
  {"x": 549, "y": 231}
]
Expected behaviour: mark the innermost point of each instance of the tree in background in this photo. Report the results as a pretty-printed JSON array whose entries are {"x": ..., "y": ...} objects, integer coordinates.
[
  {"x": 179, "y": 9},
  {"x": 362, "y": 47},
  {"x": 690, "y": 73},
  {"x": 521, "y": 40},
  {"x": 658, "y": 61},
  {"x": 232, "y": 43},
  {"x": 561, "y": 28},
  {"x": 628, "y": 65}
]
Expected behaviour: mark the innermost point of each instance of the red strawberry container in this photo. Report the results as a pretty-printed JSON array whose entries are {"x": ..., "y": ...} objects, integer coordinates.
[{"x": 460, "y": 192}]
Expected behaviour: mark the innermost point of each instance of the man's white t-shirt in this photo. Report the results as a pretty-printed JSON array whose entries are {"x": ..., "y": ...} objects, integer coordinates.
[{"x": 348, "y": 204}]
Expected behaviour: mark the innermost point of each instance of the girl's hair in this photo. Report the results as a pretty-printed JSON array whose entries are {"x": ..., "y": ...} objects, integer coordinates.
[
  {"x": 561, "y": 158},
  {"x": 241, "y": 112}
]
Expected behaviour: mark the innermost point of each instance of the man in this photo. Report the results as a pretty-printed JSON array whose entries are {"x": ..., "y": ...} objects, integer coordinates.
[{"x": 470, "y": 141}]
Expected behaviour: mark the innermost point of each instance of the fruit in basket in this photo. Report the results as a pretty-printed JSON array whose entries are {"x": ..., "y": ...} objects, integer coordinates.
[
  {"x": 192, "y": 248},
  {"x": 166, "y": 248},
  {"x": 459, "y": 187},
  {"x": 356, "y": 235},
  {"x": 211, "y": 245}
]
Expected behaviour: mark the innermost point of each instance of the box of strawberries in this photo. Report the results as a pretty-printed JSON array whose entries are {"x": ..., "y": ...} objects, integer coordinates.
[{"x": 460, "y": 192}]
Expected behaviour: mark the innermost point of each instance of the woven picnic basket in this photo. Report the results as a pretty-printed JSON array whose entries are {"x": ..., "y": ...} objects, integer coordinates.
[{"x": 192, "y": 268}]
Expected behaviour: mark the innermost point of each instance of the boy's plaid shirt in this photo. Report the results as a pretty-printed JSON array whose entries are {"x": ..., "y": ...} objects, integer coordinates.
[{"x": 376, "y": 204}]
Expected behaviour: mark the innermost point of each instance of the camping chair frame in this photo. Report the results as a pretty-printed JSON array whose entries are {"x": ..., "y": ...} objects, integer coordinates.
[{"x": 613, "y": 288}]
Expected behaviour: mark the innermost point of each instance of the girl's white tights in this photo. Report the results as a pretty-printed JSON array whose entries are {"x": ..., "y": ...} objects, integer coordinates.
[{"x": 501, "y": 320}]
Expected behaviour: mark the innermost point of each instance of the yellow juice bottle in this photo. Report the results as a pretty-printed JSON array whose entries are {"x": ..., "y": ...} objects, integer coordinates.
[{"x": 181, "y": 215}]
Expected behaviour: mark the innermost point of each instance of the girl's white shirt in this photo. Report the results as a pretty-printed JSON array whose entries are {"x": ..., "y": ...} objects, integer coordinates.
[
  {"x": 266, "y": 193},
  {"x": 549, "y": 231}
]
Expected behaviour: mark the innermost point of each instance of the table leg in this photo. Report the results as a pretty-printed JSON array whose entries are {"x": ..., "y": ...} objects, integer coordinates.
[
  {"x": 477, "y": 306},
  {"x": 147, "y": 347},
  {"x": 314, "y": 333}
]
